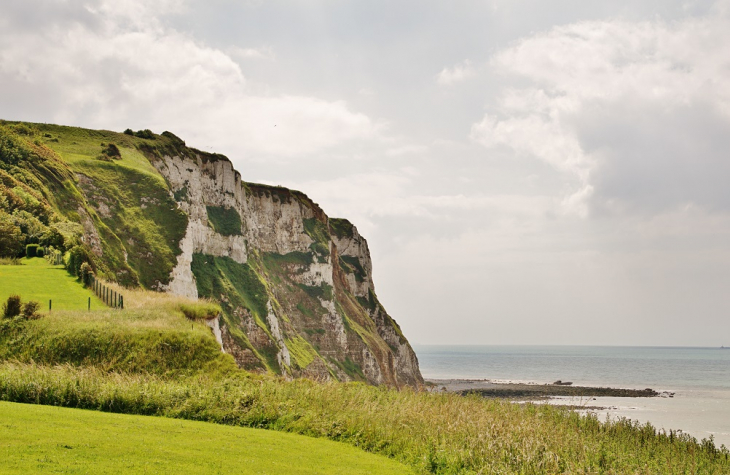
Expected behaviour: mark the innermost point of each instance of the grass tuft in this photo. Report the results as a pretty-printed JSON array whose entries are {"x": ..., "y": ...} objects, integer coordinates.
[{"x": 201, "y": 310}]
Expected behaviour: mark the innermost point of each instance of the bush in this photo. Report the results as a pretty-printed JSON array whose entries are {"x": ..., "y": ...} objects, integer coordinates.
[
  {"x": 54, "y": 256},
  {"x": 145, "y": 134},
  {"x": 76, "y": 256},
  {"x": 129, "y": 132},
  {"x": 52, "y": 237},
  {"x": 109, "y": 152},
  {"x": 30, "y": 310},
  {"x": 31, "y": 250},
  {"x": 86, "y": 273},
  {"x": 11, "y": 237},
  {"x": 11, "y": 308},
  {"x": 39, "y": 252}
]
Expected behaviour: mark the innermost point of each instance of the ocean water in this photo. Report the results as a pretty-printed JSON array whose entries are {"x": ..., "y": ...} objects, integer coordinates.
[{"x": 699, "y": 377}]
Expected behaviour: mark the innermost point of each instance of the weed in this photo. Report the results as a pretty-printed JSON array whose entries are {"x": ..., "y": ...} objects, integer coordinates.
[{"x": 30, "y": 310}]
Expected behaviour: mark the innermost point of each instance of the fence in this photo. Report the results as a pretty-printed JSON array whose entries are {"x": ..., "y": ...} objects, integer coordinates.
[{"x": 109, "y": 296}]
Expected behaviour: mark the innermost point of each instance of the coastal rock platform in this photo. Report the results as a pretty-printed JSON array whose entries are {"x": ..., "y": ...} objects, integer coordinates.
[{"x": 491, "y": 389}]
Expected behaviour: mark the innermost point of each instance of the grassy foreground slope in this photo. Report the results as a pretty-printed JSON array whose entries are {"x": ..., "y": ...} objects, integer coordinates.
[
  {"x": 50, "y": 439},
  {"x": 37, "y": 280},
  {"x": 433, "y": 433}
]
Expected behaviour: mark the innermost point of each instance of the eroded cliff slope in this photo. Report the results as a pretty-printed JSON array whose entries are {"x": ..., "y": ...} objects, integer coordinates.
[{"x": 295, "y": 285}]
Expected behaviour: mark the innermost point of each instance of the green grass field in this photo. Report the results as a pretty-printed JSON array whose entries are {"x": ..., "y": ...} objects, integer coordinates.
[
  {"x": 39, "y": 281},
  {"x": 45, "y": 439}
]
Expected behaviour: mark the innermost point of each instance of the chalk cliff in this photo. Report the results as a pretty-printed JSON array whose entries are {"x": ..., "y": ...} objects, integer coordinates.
[
  {"x": 145, "y": 210},
  {"x": 296, "y": 286}
]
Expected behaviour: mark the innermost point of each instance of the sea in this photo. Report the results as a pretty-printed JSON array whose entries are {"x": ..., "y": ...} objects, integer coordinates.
[{"x": 698, "y": 377}]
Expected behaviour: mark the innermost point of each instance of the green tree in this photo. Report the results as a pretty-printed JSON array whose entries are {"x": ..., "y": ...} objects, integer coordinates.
[
  {"x": 11, "y": 238},
  {"x": 31, "y": 227}
]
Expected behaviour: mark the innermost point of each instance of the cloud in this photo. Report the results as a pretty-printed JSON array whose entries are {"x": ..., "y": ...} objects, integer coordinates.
[
  {"x": 115, "y": 64},
  {"x": 406, "y": 150},
  {"x": 457, "y": 73},
  {"x": 636, "y": 115},
  {"x": 251, "y": 53}
]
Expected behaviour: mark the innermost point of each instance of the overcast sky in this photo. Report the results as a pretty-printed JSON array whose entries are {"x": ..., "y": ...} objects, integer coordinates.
[{"x": 525, "y": 172}]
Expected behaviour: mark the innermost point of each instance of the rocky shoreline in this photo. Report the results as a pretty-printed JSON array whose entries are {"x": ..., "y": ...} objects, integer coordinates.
[{"x": 532, "y": 391}]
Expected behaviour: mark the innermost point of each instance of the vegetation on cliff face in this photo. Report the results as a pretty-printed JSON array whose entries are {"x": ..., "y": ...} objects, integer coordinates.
[
  {"x": 225, "y": 221},
  {"x": 65, "y": 186}
]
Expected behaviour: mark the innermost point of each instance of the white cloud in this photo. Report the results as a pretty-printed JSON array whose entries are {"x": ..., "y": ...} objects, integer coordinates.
[
  {"x": 457, "y": 73},
  {"x": 125, "y": 68},
  {"x": 631, "y": 113},
  {"x": 251, "y": 53}
]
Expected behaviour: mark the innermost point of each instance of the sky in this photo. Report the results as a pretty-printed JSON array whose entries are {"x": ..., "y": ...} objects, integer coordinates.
[{"x": 525, "y": 172}]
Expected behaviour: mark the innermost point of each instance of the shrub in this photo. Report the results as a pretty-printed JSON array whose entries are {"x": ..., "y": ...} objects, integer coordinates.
[
  {"x": 52, "y": 237},
  {"x": 111, "y": 151},
  {"x": 54, "y": 256},
  {"x": 39, "y": 252},
  {"x": 145, "y": 134},
  {"x": 86, "y": 273},
  {"x": 31, "y": 250},
  {"x": 11, "y": 308},
  {"x": 76, "y": 256},
  {"x": 129, "y": 132},
  {"x": 11, "y": 237},
  {"x": 30, "y": 310}
]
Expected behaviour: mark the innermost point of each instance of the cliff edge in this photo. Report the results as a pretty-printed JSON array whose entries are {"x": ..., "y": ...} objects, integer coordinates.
[{"x": 295, "y": 286}]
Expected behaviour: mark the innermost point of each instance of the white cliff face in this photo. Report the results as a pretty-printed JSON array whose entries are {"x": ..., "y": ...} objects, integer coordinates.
[
  {"x": 316, "y": 274},
  {"x": 195, "y": 186},
  {"x": 276, "y": 226},
  {"x": 215, "y": 326},
  {"x": 276, "y": 221},
  {"x": 356, "y": 246},
  {"x": 283, "y": 355}
]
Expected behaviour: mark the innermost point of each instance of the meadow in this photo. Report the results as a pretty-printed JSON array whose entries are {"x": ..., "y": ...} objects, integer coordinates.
[
  {"x": 51, "y": 439},
  {"x": 35, "y": 279}
]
